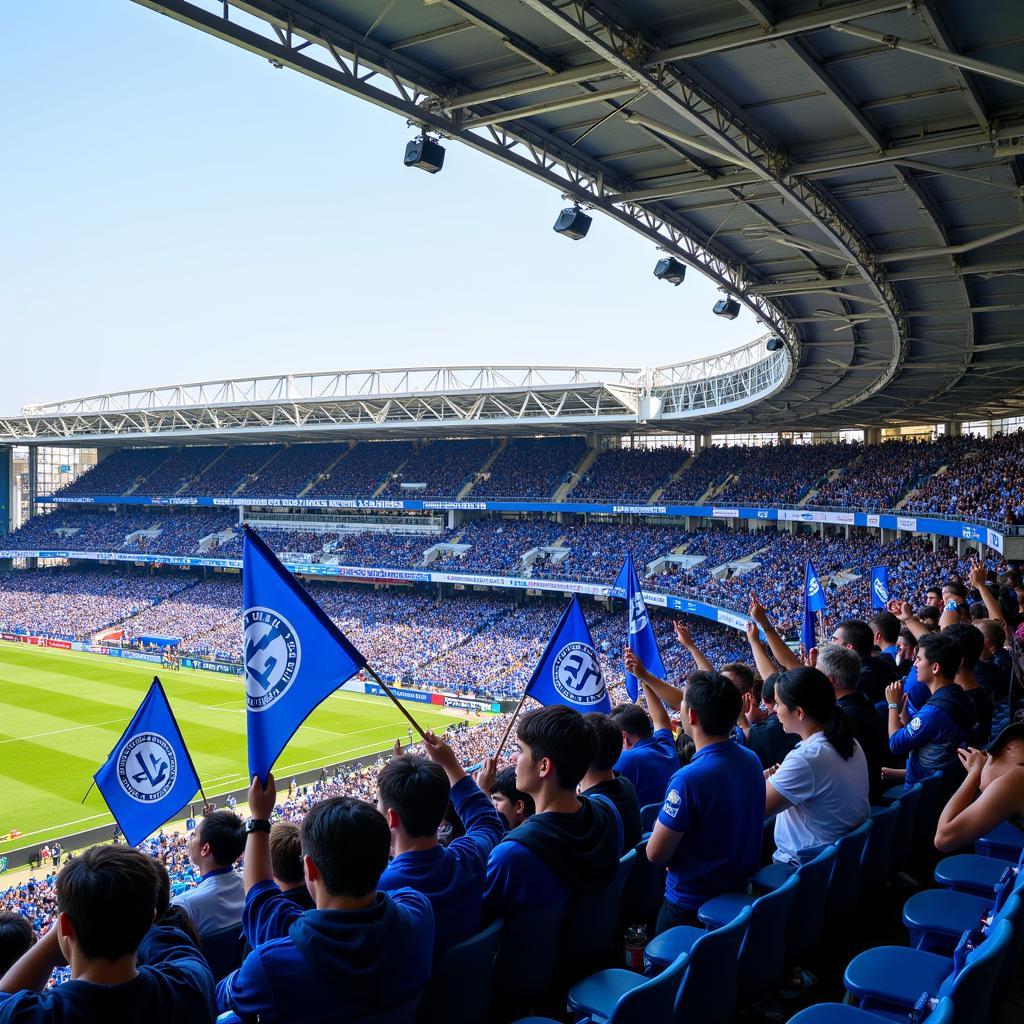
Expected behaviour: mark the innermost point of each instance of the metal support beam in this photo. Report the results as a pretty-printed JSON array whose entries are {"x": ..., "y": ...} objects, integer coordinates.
[{"x": 565, "y": 103}]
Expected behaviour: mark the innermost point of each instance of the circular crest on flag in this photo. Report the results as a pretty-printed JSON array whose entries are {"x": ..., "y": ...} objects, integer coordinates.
[
  {"x": 272, "y": 655},
  {"x": 637, "y": 614},
  {"x": 146, "y": 767},
  {"x": 576, "y": 674}
]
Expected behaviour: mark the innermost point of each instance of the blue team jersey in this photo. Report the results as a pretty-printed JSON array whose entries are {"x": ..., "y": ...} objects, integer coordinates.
[
  {"x": 931, "y": 738},
  {"x": 649, "y": 765},
  {"x": 717, "y": 801}
]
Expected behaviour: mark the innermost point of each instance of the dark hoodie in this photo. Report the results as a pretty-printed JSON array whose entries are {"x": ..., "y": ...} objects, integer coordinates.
[
  {"x": 931, "y": 738},
  {"x": 329, "y": 965},
  {"x": 553, "y": 854}
]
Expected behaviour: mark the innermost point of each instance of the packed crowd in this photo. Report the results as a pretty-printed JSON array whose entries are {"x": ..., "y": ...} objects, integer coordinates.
[
  {"x": 531, "y": 468},
  {"x": 362, "y": 470},
  {"x": 443, "y": 466},
  {"x": 628, "y": 474}
]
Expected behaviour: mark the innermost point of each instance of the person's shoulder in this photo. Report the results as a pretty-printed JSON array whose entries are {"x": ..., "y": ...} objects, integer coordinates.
[
  {"x": 410, "y": 902},
  {"x": 665, "y": 740}
]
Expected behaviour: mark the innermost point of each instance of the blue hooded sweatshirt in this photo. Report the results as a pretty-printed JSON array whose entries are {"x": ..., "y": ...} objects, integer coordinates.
[{"x": 329, "y": 966}]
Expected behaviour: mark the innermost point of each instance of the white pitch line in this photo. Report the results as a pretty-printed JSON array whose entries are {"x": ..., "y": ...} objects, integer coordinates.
[
  {"x": 57, "y": 732},
  {"x": 55, "y": 829}
]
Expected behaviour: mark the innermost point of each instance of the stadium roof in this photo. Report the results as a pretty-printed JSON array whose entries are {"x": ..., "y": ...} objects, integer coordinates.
[{"x": 851, "y": 170}]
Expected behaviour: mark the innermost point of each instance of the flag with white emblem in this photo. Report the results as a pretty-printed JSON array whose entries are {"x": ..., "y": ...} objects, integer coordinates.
[{"x": 639, "y": 630}]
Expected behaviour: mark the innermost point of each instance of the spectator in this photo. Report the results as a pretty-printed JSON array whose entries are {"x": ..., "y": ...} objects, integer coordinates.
[
  {"x": 336, "y": 961},
  {"x": 509, "y": 801},
  {"x": 16, "y": 938},
  {"x": 820, "y": 791},
  {"x": 123, "y": 967},
  {"x": 214, "y": 847},
  {"x": 876, "y": 671},
  {"x": 286, "y": 863},
  {"x": 971, "y": 644},
  {"x": 601, "y": 779},
  {"x": 414, "y": 795},
  {"x": 763, "y": 731},
  {"x": 886, "y": 629},
  {"x": 709, "y": 828},
  {"x": 990, "y": 671},
  {"x": 570, "y": 845},
  {"x": 649, "y": 756}
]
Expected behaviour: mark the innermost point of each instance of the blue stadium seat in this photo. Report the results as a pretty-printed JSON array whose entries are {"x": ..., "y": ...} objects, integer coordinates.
[
  {"x": 903, "y": 840},
  {"x": 970, "y": 872},
  {"x": 876, "y": 864},
  {"x": 762, "y": 957},
  {"x": 844, "y": 1013},
  {"x": 893, "y": 978},
  {"x": 644, "y": 891},
  {"x": 706, "y": 994},
  {"x": 1005, "y": 841},
  {"x": 530, "y": 950},
  {"x": 459, "y": 990},
  {"x": 223, "y": 950},
  {"x": 648, "y": 816},
  {"x": 936, "y": 918},
  {"x": 592, "y": 925},
  {"x": 632, "y": 998},
  {"x": 844, "y": 881}
]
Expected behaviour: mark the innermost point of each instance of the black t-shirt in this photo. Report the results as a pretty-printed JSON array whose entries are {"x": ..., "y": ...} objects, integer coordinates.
[
  {"x": 871, "y": 734},
  {"x": 995, "y": 679},
  {"x": 770, "y": 741},
  {"x": 876, "y": 673},
  {"x": 622, "y": 794}
]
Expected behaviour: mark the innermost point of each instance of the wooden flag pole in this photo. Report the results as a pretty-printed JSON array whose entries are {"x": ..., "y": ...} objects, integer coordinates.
[
  {"x": 508, "y": 728},
  {"x": 398, "y": 704}
]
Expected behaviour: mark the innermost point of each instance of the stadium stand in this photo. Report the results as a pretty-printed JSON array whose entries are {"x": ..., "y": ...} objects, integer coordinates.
[
  {"x": 623, "y": 474},
  {"x": 443, "y": 467},
  {"x": 531, "y": 468}
]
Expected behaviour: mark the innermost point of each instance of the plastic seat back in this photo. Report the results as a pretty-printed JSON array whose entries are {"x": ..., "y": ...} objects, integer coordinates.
[
  {"x": 844, "y": 880},
  {"x": 644, "y": 890},
  {"x": 653, "y": 1000},
  {"x": 876, "y": 864},
  {"x": 807, "y": 918},
  {"x": 903, "y": 841},
  {"x": 530, "y": 950},
  {"x": 648, "y": 816},
  {"x": 459, "y": 990},
  {"x": 709, "y": 990},
  {"x": 763, "y": 958},
  {"x": 592, "y": 926},
  {"x": 971, "y": 988},
  {"x": 223, "y": 950},
  {"x": 935, "y": 790}
]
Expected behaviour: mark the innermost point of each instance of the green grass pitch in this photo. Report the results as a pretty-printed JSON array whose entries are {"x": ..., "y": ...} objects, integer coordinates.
[{"x": 61, "y": 712}]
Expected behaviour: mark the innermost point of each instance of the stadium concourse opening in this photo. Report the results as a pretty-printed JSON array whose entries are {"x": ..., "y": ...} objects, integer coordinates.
[{"x": 808, "y": 788}]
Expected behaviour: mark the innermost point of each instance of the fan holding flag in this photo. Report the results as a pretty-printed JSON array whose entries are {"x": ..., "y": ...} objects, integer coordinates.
[{"x": 640, "y": 636}]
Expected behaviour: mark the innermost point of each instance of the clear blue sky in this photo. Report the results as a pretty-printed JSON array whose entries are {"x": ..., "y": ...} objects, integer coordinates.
[{"x": 176, "y": 209}]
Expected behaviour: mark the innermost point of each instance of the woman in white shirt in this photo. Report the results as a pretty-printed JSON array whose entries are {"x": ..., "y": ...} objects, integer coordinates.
[{"x": 820, "y": 791}]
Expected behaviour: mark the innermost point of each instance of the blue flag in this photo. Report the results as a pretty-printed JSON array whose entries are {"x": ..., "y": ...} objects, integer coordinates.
[
  {"x": 569, "y": 672},
  {"x": 814, "y": 601},
  {"x": 149, "y": 776},
  {"x": 879, "y": 586},
  {"x": 639, "y": 630},
  {"x": 295, "y": 656}
]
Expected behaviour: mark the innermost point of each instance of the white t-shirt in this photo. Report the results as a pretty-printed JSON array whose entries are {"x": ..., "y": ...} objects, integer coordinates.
[{"x": 829, "y": 796}]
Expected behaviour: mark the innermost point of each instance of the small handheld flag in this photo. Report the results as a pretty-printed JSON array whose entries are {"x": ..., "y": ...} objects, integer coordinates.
[
  {"x": 149, "y": 776},
  {"x": 879, "y": 586},
  {"x": 569, "y": 671},
  {"x": 639, "y": 630},
  {"x": 295, "y": 656},
  {"x": 814, "y": 601}
]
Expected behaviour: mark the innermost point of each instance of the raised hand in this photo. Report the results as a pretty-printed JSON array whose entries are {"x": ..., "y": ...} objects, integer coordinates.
[
  {"x": 683, "y": 634},
  {"x": 902, "y": 610},
  {"x": 634, "y": 666},
  {"x": 262, "y": 798},
  {"x": 757, "y": 611},
  {"x": 894, "y": 692}
]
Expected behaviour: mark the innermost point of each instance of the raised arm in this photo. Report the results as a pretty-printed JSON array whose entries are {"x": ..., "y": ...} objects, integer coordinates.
[
  {"x": 762, "y": 659},
  {"x": 971, "y": 813},
  {"x": 977, "y": 577},
  {"x": 780, "y": 652},
  {"x": 664, "y": 692},
  {"x": 685, "y": 637},
  {"x": 257, "y": 865},
  {"x": 905, "y": 613}
]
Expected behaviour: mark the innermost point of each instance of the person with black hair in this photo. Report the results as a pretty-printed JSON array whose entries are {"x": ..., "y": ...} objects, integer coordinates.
[
  {"x": 931, "y": 738},
  {"x": 16, "y": 938},
  {"x": 648, "y": 757},
  {"x": 602, "y": 779},
  {"x": 876, "y": 671},
  {"x": 572, "y": 844},
  {"x": 509, "y": 801},
  {"x": 286, "y": 863},
  {"x": 123, "y": 967},
  {"x": 993, "y": 668},
  {"x": 765, "y": 736},
  {"x": 971, "y": 645},
  {"x": 337, "y": 962},
  {"x": 708, "y": 831},
  {"x": 214, "y": 846},
  {"x": 886, "y": 630},
  {"x": 820, "y": 791},
  {"x": 414, "y": 794}
]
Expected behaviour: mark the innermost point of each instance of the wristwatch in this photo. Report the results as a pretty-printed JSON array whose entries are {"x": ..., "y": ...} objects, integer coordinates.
[
  {"x": 257, "y": 825},
  {"x": 894, "y": 707}
]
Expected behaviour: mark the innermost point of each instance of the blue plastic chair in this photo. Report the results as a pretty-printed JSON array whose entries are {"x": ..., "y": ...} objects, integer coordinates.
[
  {"x": 844, "y": 882},
  {"x": 903, "y": 840},
  {"x": 972, "y": 873},
  {"x": 648, "y": 816},
  {"x": 762, "y": 959},
  {"x": 844, "y": 1013},
  {"x": 876, "y": 864},
  {"x": 807, "y": 916},
  {"x": 592, "y": 925},
  {"x": 635, "y": 999},
  {"x": 530, "y": 951},
  {"x": 644, "y": 890},
  {"x": 1005, "y": 841},
  {"x": 892, "y": 978},
  {"x": 459, "y": 990}
]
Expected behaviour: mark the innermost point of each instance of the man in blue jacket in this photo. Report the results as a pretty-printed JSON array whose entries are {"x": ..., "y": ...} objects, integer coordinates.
[
  {"x": 414, "y": 794},
  {"x": 123, "y": 968},
  {"x": 932, "y": 737},
  {"x": 359, "y": 952}
]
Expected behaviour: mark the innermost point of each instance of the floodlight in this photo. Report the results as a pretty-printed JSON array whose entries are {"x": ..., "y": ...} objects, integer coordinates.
[
  {"x": 426, "y": 154},
  {"x": 573, "y": 223},
  {"x": 729, "y": 308},
  {"x": 774, "y": 344},
  {"x": 671, "y": 270}
]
